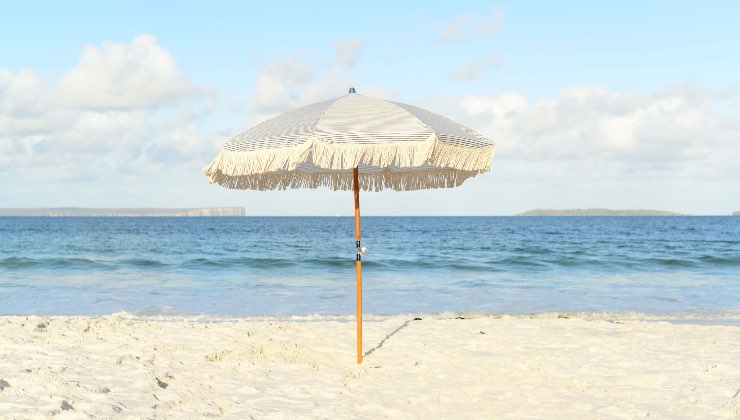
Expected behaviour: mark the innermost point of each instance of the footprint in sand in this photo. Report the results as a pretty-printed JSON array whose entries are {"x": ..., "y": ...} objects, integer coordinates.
[{"x": 162, "y": 381}]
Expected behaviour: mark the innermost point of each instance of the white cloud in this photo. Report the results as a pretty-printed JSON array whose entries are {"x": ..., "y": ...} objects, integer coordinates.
[
  {"x": 348, "y": 51},
  {"x": 281, "y": 85},
  {"x": 292, "y": 82},
  {"x": 675, "y": 132},
  {"x": 103, "y": 118},
  {"x": 478, "y": 68},
  {"x": 468, "y": 25},
  {"x": 493, "y": 25},
  {"x": 22, "y": 93},
  {"x": 125, "y": 76},
  {"x": 457, "y": 29}
]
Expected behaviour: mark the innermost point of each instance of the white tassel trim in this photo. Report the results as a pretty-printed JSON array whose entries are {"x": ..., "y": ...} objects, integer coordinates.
[
  {"x": 377, "y": 181},
  {"x": 276, "y": 168}
]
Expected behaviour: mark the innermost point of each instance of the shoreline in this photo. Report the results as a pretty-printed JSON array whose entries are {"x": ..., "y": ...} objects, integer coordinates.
[
  {"x": 118, "y": 366},
  {"x": 709, "y": 317}
]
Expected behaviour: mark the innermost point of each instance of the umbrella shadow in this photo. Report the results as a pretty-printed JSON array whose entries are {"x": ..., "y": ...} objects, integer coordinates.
[{"x": 402, "y": 326}]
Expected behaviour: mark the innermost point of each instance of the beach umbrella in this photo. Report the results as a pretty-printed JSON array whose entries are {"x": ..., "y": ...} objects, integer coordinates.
[{"x": 353, "y": 142}]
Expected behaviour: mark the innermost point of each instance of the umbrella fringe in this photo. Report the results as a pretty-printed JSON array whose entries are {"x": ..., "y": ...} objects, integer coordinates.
[
  {"x": 398, "y": 181},
  {"x": 463, "y": 158},
  {"x": 234, "y": 163},
  {"x": 338, "y": 157}
]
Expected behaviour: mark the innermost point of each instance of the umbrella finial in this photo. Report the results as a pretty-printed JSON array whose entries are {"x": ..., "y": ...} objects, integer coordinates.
[{"x": 352, "y": 90}]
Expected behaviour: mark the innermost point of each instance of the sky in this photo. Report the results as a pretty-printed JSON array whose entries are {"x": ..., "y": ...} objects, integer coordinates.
[{"x": 622, "y": 105}]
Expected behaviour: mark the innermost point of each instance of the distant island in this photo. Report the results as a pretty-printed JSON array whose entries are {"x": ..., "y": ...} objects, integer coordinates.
[
  {"x": 597, "y": 212},
  {"x": 737, "y": 213},
  {"x": 136, "y": 212}
]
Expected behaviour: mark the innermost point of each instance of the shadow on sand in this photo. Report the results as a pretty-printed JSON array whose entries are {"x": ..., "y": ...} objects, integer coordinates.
[{"x": 402, "y": 326}]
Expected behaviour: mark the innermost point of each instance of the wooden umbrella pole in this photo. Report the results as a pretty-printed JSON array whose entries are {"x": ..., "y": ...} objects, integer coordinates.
[{"x": 358, "y": 265}]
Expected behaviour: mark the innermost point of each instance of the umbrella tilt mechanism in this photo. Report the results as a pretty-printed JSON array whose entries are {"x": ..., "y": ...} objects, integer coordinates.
[{"x": 361, "y": 250}]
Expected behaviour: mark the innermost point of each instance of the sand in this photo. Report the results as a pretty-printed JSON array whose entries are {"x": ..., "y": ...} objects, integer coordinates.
[{"x": 121, "y": 366}]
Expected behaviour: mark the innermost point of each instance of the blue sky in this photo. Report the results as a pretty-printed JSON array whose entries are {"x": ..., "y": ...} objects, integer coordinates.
[{"x": 623, "y": 105}]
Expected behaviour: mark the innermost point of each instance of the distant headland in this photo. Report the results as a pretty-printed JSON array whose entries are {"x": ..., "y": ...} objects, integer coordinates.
[
  {"x": 737, "y": 213},
  {"x": 136, "y": 212},
  {"x": 597, "y": 212}
]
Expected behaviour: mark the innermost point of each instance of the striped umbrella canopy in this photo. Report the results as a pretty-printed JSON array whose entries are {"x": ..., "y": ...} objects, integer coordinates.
[
  {"x": 394, "y": 145},
  {"x": 350, "y": 143}
]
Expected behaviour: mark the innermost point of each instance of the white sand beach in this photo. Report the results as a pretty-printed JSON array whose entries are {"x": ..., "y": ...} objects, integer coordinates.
[{"x": 439, "y": 367}]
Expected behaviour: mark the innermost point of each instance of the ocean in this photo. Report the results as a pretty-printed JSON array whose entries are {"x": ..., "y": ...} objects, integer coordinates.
[{"x": 285, "y": 266}]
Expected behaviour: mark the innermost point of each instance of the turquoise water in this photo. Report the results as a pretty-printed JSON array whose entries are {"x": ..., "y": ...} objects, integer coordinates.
[{"x": 305, "y": 265}]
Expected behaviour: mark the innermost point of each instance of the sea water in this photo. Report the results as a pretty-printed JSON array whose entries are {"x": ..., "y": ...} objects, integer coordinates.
[{"x": 306, "y": 265}]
